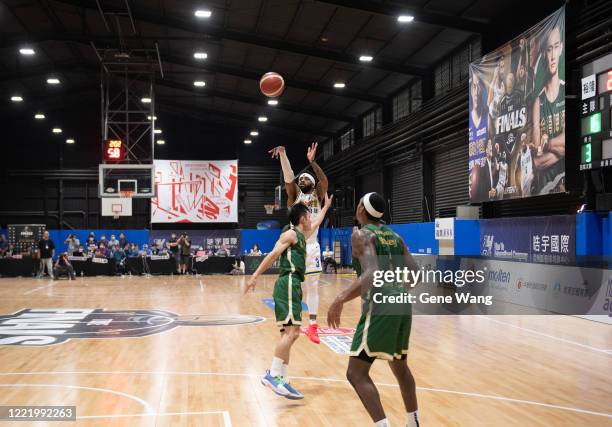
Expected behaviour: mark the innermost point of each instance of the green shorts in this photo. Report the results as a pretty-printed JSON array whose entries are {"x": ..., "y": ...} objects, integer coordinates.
[
  {"x": 288, "y": 300},
  {"x": 382, "y": 336}
]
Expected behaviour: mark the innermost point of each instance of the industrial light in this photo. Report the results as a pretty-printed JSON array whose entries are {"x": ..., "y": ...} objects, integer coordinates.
[
  {"x": 262, "y": 118},
  {"x": 16, "y": 98},
  {"x": 199, "y": 83},
  {"x": 146, "y": 100},
  {"x": 339, "y": 85},
  {"x": 200, "y": 55},
  {"x": 56, "y": 130},
  {"x": 203, "y": 13},
  {"x": 247, "y": 141},
  {"x": 254, "y": 133},
  {"x": 39, "y": 116},
  {"x": 272, "y": 102},
  {"x": 405, "y": 18},
  {"x": 157, "y": 131},
  {"x": 149, "y": 117},
  {"x": 365, "y": 58},
  {"x": 27, "y": 51},
  {"x": 53, "y": 81},
  {"x": 160, "y": 142},
  {"x": 70, "y": 141}
]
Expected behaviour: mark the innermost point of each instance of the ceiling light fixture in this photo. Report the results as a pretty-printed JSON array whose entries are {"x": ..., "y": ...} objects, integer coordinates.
[
  {"x": 27, "y": 51},
  {"x": 366, "y": 58},
  {"x": 53, "y": 81},
  {"x": 247, "y": 141},
  {"x": 339, "y": 85},
  {"x": 16, "y": 98},
  {"x": 203, "y": 13},
  {"x": 39, "y": 116},
  {"x": 262, "y": 118},
  {"x": 160, "y": 142},
  {"x": 254, "y": 133},
  {"x": 70, "y": 141},
  {"x": 56, "y": 130},
  {"x": 199, "y": 83},
  {"x": 272, "y": 102},
  {"x": 405, "y": 18},
  {"x": 200, "y": 55},
  {"x": 157, "y": 131},
  {"x": 146, "y": 100}
]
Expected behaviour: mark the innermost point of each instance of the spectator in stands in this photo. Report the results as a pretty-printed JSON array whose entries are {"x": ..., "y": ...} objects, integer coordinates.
[
  {"x": 3, "y": 245},
  {"x": 133, "y": 250},
  {"x": 103, "y": 241},
  {"x": 238, "y": 267},
  {"x": 91, "y": 250},
  {"x": 101, "y": 251},
  {"x": 255, "y": 251},
  {"x": 122, "y": 240},
  {"x": 154, "y": 249},
  {"x": 328, "y": 260},
  {"x": 173, "y": 246},
  {"x": 91, "y": 239},
  {"x": 10, "y": 251},
  {"x": 119, "y": 255},
  {"x": 46, "y": 250},
  {"x": 185, "y": 250},
  {"x": 113, "y": 242},
  {"x": 145, "y": 250},
  {"x": 63, "y": 266},
  {"x": 80, "y": 252},
  {"x": 73, "y": 244},
  {"x": 223, "y": 250}
]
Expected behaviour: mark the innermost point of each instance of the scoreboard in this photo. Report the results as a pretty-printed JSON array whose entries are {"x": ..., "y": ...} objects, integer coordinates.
[{"x": 595, "y": 115}]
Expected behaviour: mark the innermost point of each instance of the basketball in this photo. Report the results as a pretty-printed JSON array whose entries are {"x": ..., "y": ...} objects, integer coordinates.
[{"x": 272, "y": 84}]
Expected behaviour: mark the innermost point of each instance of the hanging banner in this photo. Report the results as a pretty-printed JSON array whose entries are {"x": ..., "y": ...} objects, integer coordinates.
[
  {"x": 195, "y": 191},
  {"x": 517, "y": 116}
]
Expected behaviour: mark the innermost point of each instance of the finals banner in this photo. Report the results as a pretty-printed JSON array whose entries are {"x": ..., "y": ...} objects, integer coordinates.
[{"x": 517, "y": 116}]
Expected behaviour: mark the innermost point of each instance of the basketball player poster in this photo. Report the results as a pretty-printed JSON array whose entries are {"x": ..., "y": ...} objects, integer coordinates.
[
  {"x": 192, "y": 191},
  {"x": 517, "y": 116}
]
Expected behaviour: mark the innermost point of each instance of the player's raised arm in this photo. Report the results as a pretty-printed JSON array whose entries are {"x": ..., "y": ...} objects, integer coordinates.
[
  {"x": 322, "y": 183},
  {"x": 286, "y": 239},
  {"x": 364, "y": 249},
  {"x": 288, "y": 175},
  {"x": 314, "y": 225}
]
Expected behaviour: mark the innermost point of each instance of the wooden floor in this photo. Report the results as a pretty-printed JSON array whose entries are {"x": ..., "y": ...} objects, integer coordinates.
[{"x": 470, "y": 370}]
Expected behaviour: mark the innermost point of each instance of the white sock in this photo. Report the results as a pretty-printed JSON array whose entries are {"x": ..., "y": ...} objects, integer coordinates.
[
  {"x": 284, "y": 371},
  {"x": 413, "y": 419},
  {"x": 276, "y": 370},
  {"x": 382, "y": 423},
  {"x": 313, "y": 321}
]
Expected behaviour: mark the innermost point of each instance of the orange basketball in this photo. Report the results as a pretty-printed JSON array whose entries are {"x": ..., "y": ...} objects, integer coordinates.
[{"x": 272, "y": 84}]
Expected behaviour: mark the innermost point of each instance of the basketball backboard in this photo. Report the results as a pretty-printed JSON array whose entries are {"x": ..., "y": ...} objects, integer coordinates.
[{"x": 114, "y": 180}]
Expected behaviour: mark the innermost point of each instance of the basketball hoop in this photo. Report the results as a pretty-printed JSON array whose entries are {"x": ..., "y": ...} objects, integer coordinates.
[{"x": 270, "y": 209}]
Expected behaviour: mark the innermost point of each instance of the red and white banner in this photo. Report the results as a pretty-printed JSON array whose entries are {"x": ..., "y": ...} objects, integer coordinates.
[{"x": 195, "y": 191}]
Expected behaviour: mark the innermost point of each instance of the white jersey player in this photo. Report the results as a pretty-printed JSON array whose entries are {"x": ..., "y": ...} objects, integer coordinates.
[{"x": 309, "y": 192}]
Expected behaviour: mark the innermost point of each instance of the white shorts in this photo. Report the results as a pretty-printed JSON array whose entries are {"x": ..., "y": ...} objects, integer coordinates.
[{"x": 313, "y": 258}]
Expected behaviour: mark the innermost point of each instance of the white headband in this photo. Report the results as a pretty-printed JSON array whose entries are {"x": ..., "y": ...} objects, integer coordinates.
[
  {"x": 369, "y": 208},
  {"x": 309, "y": 176}
]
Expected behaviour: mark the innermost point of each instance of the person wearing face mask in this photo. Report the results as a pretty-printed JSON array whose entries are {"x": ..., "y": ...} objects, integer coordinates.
[{"x": 91, "y": 239}]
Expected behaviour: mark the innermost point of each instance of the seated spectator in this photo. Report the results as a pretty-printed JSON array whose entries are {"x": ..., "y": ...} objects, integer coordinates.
[
  {"x": 101, "y": 251},
  {"x": 154, "y": 249},
  {"x": 238, "y": 267},
  {"x": 201, "y": 252},
  {"x": 63, "y": 266},
  {"x": 91, "y": 250},
  {"x": 113, "y": 242},
  {"x": 328, "y": 260},
  {"x": 223, "y": 251},
  {"x": 91, "y": 239},
  {"x": 122, "y": 240},
  {"x": 73, "y": 244},
  {"x": 103, "y": 241},
  {"x": 255, "y": 250},
  {"x": 145, "y": 250},
  {"x": 133, "y": 250},
  {"x": 3, "y": 245},
  {"x": 119, "y": 256},
  {"x": 80, "y": 252}
]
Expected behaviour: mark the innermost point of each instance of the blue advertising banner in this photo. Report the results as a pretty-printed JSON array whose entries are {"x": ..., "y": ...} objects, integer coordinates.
[
  {"x": 208, "y": 240},
  {"x": 550, "y": 239}
]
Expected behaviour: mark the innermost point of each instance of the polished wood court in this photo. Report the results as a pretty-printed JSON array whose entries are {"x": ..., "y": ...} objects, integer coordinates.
[{"x": 470, "y": 370}]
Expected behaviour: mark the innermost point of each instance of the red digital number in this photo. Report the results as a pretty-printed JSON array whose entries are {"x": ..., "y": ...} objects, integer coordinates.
[
  {"x": 609, "y": 81},
  {"x": 114, "y": 149}
]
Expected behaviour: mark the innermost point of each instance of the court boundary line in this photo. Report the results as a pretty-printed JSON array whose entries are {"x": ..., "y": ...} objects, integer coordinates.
[
  {"x": 334, "y": 380},
  {"x": 533, "y": 331},
  {"x": 39, "y": 288}
]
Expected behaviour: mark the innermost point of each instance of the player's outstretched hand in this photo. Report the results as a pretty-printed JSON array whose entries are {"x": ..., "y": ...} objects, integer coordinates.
[
  {"x": 312, "y": 152},
  {"x": 276, "y": 151},
  {"x": 334, "y": 313},
  {"x": 250, "y": 284}
]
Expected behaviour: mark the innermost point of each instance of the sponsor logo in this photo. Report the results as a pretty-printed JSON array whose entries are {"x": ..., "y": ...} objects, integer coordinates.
[
  {"x": 578, "y": 291},
  {"x": 499, "y": 276},
  {"x": 48, "y": 326},
  {"x": 530, "y": 285}
]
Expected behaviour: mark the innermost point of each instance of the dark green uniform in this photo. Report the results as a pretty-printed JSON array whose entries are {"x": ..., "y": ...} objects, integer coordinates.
[
  {"x": 288, "y": 287},
  {"x": 552, "y": 123},
  {"x": 382, "y": 332}
]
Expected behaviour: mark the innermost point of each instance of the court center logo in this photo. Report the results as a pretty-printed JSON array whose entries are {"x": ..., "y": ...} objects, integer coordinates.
[{"x": 40, "y": 327}]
